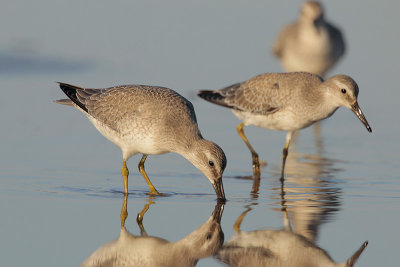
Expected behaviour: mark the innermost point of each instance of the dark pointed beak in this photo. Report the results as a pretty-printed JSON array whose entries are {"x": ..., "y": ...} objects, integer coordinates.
[
  {"x": 350, "y": 262},
  {"x": 217, "y": 213},
  {"x": 357, "y": 110},
  {"x": 219, "y": 190}
]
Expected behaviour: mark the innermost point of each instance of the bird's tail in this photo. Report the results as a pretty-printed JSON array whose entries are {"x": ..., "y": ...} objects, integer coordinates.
[
  {"x": 222, "y": 97},
  {"x": 66, "y": 102},
  {"x": 211, "y": 96},
  {"x": 214, "y": 96},
  {"x": 71, "y": 92}
]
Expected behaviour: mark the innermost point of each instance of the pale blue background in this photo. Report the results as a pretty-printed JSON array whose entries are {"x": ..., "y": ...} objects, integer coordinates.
[{"x": 60, "y": 179}]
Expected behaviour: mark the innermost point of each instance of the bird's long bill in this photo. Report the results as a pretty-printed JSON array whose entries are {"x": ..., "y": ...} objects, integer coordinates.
[
  {"x": 218, "y": 210},
  {"x": 350, "y": 262},
  {"x": 357, "y": 110},
  {"x": 219, "y": 189}
]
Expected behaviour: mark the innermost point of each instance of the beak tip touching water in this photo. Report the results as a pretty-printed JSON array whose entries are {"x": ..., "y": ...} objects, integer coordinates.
[{"x": 219, "y": 190}]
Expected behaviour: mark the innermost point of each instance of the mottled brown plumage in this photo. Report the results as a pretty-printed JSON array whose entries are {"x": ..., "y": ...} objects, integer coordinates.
[
  {"x": 310, "y": 44},
  {"x": 286, "y": 102},
  {"x": 149, "y": 120}
]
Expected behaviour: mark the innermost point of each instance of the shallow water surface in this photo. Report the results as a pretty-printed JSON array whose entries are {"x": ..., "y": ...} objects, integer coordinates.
[{"x": 61, "y": 186}]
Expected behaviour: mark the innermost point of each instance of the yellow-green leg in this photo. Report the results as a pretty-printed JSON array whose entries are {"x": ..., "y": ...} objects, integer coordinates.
[
  {"x": 285, "y": 153},
  {"x": 153, "y": 190},
  {"x": 124, "y": 212},
  {"x": 318, "y": 137},
  {"x": 139, "y": 218},
  {"x": 256, "y": 186},
  {"x": 239, "y": 220},
  {"x": 125, "y": 174},
  {"x": 286, "y": 220},
  {"x": 254, "y": 155}
]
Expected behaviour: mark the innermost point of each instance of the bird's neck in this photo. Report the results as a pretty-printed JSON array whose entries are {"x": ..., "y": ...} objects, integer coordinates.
[
  {"x": 175, "y": 254},
  {"x": 312, "y": 26},
  {"x": 185, "y": 146},
  {"x": 190, "y": 150},
  {"x": 327, "y": 106},
  {"x": 196, "y": 244}
]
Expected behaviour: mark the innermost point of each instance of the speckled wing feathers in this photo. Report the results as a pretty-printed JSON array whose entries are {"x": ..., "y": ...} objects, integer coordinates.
[
  {"x": 116, "y": 105},
  {"x": 111, "y": 107},
  {"x": 256, "y": 95}
]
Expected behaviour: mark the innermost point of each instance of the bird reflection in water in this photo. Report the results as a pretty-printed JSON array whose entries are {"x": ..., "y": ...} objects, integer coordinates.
[
  {"x": 144, "y": 250},
  {"x": 309, "y": 193},
  {"x": 276, "y": 248},
  {"x": 310, "y": 199}
]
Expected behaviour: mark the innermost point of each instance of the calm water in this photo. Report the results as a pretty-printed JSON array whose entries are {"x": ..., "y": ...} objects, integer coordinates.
[{"x": 60, "y": 180}]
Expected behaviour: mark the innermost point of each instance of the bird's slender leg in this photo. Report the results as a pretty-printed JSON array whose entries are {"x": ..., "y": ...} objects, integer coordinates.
[
  {"x": 153, "y": 190},
  {"x": 125, "y": 173},
  {"x": 254, "y": 155},
  {"x": 286, "y": 220},
  {"x": 124, "y": 212},
  {"x": 318, "y": 137},
  {"x": 256, "y": 186},
  {"x": 239, "y": 220},
  {"x": 139, "y": 218},
  {"x": 285, "y": 153}
]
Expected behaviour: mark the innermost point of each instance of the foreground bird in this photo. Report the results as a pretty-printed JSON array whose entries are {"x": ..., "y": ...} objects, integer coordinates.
[
  {"x": 149, "y": 120},
  {"x": 286, "y": 102},
  {"x": 310, "y": 44}
]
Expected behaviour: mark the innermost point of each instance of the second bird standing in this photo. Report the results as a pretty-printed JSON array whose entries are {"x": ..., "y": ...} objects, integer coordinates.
[{"x": 286, "y": 102}]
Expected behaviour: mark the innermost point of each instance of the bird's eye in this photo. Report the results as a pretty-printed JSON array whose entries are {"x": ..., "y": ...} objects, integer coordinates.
[
  {"x": 211, "y": 163},
  {"x": 343, "y": 90}
]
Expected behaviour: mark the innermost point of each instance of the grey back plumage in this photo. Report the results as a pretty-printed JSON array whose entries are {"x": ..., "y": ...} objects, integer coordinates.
[
  {"x": 116, "y": 104},
  {"x": 263, "y": 94},
  {"x": 150, "y": 120}
]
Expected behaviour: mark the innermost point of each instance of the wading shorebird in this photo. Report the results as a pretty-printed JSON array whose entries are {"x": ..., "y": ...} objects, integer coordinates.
[
  {"x": 311, "y": 43},
  {"x": 149, "y": 120},
  {"x": 287, "y": 102}
]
